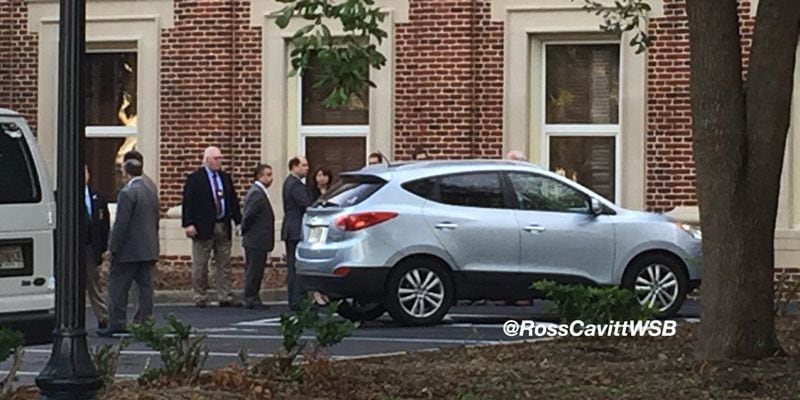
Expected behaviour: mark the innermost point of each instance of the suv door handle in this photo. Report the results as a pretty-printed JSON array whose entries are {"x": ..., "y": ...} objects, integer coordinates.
[
  {"x": 446, "y": 225},
  {"x": 534, "y": 228}
]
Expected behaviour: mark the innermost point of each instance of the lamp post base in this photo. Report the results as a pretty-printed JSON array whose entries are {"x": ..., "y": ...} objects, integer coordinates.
[{"x": 70, "y": 373}]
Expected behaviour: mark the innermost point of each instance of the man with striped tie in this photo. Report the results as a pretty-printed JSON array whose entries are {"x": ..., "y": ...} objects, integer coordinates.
[{"x": 210, "y": 204}]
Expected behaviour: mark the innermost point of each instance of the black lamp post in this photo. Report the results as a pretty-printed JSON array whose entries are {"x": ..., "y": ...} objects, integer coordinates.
[{"x": 70, "y": 373}]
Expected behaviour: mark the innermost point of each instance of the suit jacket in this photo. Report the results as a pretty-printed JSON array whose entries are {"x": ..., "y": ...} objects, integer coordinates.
[
  {"x": 134, "y": 236},
  {"x": 150, "y": 184},
  {"x": 258, "y": 221},
  {"x": 96, "y": 229},
  {"x": 198, "y": 203},
  {"x": 296, "y": 198}
]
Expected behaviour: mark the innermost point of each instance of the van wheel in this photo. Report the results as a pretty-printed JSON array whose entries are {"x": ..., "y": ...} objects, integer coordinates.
[
  {"x": 419, "y": 292},
  {"x": 658, "y": 281},
  {"x": 357, "y": 311}
]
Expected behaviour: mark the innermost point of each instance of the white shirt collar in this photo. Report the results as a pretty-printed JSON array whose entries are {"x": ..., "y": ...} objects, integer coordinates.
[
  {"x": 134, "y": 179},
  {"x": 263, "y": 188}
]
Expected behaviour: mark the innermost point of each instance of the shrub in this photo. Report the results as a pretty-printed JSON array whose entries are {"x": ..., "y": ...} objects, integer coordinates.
[
  {"x": 182, "y": 357},
  {"x": 328, "y": 331},
  {"x": 595, "y": 305},
  {"x": 11, "y": 343},
  {"x": 106, "y": 359}
]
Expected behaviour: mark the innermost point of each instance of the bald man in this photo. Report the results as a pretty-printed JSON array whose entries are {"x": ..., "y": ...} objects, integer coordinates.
[
  {"x": 210, "y": 204},
  {"x": 516, "y": 155}
]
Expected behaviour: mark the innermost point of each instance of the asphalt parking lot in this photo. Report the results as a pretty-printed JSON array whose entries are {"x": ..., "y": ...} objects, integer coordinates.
[{"x": 229, "y": 330}]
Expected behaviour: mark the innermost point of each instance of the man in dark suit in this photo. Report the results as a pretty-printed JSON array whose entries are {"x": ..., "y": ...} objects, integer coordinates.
[
  {"x": 96, "y": 234},
  {"x": 296, "y": 198},
  {"x": 135, "y": 155},
  {"x": 210, "y": 204},
  {"x": 134, "y": 249},
  {"x": 258, "y": 234}
]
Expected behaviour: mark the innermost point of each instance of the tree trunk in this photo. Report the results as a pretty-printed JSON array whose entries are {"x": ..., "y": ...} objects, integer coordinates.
[{"x": 739, "y": 137}]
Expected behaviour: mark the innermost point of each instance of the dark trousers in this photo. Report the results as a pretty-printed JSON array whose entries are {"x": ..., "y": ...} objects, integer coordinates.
[
  {"x": 255, "y": 261},
  {"x": 120, "y": 278},
  {"x": 293, "y": 283}
]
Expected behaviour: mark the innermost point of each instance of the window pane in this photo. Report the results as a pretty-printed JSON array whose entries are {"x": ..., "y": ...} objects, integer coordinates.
[
  {"x": 314, "y": 113},
  {"x": 348, "y": 194},
  {"x": 339, "y": 154},
  {"x": 582, "y": 84},
  {"x": 111, "y": 89},
  {"x": 104, "y": 158},
  {"x": 472, "y": 190},
  {"x": 587, "y": 160},
  {"x": 538, "y": 193},
  {"x": 19, "y": 182},
  {"x": 422, "y": 187}
]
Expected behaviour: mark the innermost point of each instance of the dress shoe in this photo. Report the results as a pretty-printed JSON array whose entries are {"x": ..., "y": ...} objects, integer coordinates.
[
  {"x": 232, "y": 303},
  {"x": 201, "y": 304}
]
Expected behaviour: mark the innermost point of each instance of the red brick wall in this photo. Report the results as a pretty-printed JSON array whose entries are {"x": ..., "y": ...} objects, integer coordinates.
[
  {"x": 18, "y": 61},
  {"x": 210, "y": 92},
  {"x": 670, "y": 168},
  {"x": 449, "y": 60}
]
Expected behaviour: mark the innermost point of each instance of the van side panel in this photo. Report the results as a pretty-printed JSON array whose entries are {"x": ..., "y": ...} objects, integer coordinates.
[{"x": 27, "y": 221}]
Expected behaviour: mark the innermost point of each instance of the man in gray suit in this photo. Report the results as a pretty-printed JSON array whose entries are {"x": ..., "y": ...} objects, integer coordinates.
[
  {"x": 258, "y": 234},
  {"x": 134, "y": 249}
]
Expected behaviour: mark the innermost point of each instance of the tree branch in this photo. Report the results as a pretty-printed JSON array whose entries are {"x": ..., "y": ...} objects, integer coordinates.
[{"x": 624, "y": 16}]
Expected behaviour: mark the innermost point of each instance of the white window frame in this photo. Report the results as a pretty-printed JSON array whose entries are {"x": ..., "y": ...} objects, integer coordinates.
[
  {"x": 327, "y": 131},
  {"x": 583, "y": 130},
  {"x": 115, "y": 131}
]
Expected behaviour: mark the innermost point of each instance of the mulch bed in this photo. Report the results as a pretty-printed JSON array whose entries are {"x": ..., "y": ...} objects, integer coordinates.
[{"x": 600, "y": 368}]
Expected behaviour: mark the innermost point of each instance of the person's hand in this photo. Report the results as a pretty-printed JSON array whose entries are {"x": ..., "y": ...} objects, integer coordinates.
[
  {"x": 107, "y": 256},
  {"x": 238, "y": 231},
  {"x": 190, "y": 231}
]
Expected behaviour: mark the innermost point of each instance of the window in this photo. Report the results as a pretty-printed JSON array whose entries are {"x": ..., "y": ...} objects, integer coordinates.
[
  {"x": 538, "y": 193},
  {"x": 111, "y": 104},
  {"x": 350, "y": 192},
  {"x": 421, "y": 187},
  {"x": 582, "y": 113},
  {"x": 331, "y": 138},
  {"x": 19, "y": 182},
  {"x": 472, "y": 190}
]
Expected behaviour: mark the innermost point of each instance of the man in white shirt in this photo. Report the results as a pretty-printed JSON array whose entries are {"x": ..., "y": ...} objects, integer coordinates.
[{"x": 258, "y": 234}]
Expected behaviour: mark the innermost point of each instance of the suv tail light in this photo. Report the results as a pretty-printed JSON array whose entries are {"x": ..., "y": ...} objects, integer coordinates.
[{"x": 357, "y": 221}]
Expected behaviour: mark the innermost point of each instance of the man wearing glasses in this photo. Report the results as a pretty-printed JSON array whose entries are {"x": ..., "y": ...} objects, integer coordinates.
[{"x": 210, "y": 204}]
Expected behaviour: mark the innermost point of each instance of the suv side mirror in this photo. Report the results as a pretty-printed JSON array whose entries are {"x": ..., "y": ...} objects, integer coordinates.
[{"x": 595, "y": 207}]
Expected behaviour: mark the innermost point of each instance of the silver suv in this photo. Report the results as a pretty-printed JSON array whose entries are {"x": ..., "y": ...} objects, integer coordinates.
[{"x": 412, "y": 239}]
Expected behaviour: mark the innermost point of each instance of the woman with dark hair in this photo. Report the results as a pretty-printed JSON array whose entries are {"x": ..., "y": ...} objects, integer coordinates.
[{"x": 320, "y": 182}]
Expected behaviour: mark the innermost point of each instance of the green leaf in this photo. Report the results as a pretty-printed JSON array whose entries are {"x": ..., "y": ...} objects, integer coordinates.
[{"x": 285, "y": 17}]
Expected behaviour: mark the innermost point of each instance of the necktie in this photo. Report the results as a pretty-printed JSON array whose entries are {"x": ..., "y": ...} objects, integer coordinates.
[{"x": 217, "y": 202}]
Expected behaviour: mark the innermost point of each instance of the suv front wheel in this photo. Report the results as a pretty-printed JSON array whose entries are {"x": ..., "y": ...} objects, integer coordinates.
[
  {"x": 659, "y": 282},
  {"x": 420, "y": 292}
]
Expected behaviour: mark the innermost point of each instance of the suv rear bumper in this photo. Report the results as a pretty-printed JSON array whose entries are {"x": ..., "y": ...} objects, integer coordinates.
[{"x": 361, "y": 283}]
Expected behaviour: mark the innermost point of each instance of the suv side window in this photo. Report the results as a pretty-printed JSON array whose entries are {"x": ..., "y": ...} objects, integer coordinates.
[
  {"x": 422, "y": 187},
  {"x": 19, "y": 182},
  {"x": 539, "y": 193},
  {"x": 482, "y": 189}
]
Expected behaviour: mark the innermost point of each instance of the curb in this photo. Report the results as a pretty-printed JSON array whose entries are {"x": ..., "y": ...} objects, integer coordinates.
[{"x": 187, "y": 296}]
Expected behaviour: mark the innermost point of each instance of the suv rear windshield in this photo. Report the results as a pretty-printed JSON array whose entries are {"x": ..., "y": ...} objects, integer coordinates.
[
  {"x": 18, "y": 178},
  {"x": 350, "y": 191}
]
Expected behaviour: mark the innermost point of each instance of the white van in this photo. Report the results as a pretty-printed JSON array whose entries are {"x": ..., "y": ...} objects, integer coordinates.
[{"x": 27, "y": 220}]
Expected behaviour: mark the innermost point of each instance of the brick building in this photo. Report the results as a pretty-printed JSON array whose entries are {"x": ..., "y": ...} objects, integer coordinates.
[{"x": 464, "y": 79}]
